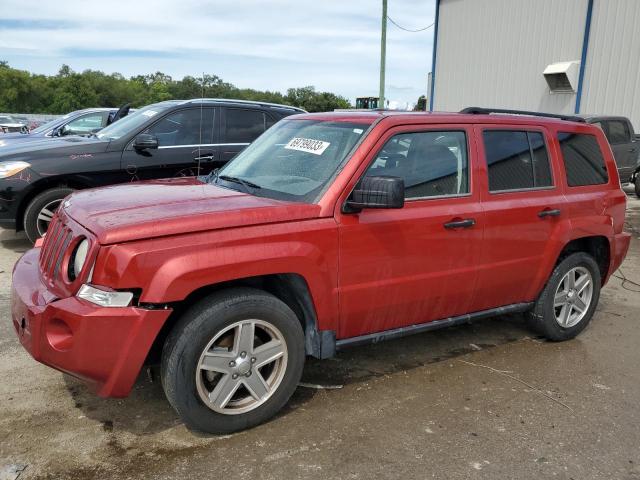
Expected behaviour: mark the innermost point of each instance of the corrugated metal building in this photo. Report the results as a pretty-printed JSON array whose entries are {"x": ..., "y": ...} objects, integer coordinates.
[{"x": 560, "y": 56}]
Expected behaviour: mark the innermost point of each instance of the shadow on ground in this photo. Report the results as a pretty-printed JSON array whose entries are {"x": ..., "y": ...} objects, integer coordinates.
[{"x": 146, "y": 410}]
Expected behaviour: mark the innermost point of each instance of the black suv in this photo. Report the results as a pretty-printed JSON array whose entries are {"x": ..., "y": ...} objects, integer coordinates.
[{"x": 167, "y": 139}]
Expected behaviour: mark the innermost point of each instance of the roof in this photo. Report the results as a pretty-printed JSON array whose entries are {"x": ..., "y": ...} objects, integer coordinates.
[{"x": 371, "y": 116}]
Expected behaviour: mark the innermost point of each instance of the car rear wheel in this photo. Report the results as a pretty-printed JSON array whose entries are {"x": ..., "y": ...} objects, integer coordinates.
[
  {"x": 569, "y": 299},
  {"x": 40, "y": 211},
  {"x": 233, "y": 360},
  {"x": 636, "y": 184}
]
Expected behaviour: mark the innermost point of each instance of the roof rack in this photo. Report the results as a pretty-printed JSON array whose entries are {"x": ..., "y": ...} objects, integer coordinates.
[
  {"x": 487, "y": 111},
  {"x": 249, "y": 102}
]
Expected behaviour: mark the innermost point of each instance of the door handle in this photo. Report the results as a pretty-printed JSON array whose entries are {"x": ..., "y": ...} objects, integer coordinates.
[
  {"x": 549, "y": 213},
  {"x": 204, "y": 157},
  {"x": 466, "y": 223}
]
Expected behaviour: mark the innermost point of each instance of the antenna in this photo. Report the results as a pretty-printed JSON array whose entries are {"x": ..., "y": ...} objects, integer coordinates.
[{"x": 200, "y": 142}]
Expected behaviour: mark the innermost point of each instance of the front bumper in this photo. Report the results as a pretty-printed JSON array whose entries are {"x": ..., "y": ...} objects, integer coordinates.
[{"x": 106, "y": 347}]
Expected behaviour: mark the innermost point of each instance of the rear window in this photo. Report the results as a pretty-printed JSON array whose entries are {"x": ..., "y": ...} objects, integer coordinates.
[
  {"x": 583, "y": 160},
  {"x": 516, "y": 160}
]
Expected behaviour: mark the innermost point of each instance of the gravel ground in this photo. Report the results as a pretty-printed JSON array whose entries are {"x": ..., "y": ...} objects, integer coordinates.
[{"x": 488, "y": 400}]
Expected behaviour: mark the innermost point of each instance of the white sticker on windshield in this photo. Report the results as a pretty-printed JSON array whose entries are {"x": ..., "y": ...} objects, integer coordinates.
[
  {"x": 317, "y": 147},
  {"x": 149, "y": 113},
  {"x": 358, "y": 130}
]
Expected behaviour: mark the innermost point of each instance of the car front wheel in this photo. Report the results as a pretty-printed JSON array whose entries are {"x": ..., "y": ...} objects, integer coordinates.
[
  {"x": 40, "y": 211},
  {"x": 233, "y": 360}
]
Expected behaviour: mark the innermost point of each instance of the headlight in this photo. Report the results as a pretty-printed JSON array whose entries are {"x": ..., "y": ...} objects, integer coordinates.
[
  {"x": 9, "y": 169},
  {"x": 78, "y": 259},
  {"x": 104, "y": 298}
]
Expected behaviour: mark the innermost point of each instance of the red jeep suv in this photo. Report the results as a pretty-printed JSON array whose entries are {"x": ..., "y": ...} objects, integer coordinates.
[{"x": 330, "y": 230}]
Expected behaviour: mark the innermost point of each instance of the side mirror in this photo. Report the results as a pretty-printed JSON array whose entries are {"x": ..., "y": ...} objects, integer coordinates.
[
  {"x": 376, "y": 192},
  {"x": 145, "y": 141}
]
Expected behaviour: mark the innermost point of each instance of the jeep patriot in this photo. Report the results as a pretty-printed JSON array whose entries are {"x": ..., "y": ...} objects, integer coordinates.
[{"x": 330, "y": 230}]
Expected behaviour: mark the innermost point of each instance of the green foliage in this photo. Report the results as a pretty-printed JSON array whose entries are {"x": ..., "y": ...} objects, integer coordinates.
[
  {"x": 421, "y": 104},
  {"x": 24, "y": 92}
]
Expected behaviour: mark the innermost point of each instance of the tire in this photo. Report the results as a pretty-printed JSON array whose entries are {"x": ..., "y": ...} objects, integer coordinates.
[
  {"x": 34, "y": 223},
  {"x": 222, "y": 316},
  {"x": 552, "y": 320},
  {"x": 636, "y": 184}
]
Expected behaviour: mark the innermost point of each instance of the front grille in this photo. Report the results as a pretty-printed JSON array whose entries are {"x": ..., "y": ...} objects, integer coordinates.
[{"x": 56, "y": 242}]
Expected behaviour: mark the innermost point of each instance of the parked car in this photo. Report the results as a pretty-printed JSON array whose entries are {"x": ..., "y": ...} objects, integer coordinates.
[
  {"x": 8, "y": 124},
  {"x": 80, "y": 122},
  {"x": 330, "y": 230},
  {"x": 167, "y": 139},
  {"x": 623, "y": 140}
]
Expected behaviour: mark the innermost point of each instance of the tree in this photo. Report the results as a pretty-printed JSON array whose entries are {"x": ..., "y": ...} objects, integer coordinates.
[
  {"x": 23, "y": 92},
  {"x": 421, "y": 104}
]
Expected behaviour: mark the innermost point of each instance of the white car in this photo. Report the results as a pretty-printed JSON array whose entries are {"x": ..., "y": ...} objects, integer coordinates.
[{"x": 8, "y": 124}]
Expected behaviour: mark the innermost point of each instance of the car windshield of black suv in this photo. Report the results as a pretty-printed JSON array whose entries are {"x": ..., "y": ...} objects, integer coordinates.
[
  {"x": 293, "y": 160},
  {"x": 132, "y": 121}
]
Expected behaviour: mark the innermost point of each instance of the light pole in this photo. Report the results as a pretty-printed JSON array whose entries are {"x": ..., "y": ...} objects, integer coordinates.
[{"x": 383, "y": 52}]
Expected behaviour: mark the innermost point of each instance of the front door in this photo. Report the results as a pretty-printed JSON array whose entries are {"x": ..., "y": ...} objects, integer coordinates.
[
  {"x": 418, "y": 263},
  {"x": 522, "y": 205},
  {"x": 186, "y": 146}
]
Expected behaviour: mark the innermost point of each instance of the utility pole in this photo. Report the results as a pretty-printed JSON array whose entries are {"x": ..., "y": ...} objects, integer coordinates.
[{"x": 383, "y": 52}]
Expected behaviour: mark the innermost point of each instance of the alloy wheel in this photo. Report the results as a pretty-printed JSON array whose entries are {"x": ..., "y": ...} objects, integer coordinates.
[
  {"x": 46, "y": 215},
  {"x": 573, "y": 297},
  {"x": 241, "y": 367}
]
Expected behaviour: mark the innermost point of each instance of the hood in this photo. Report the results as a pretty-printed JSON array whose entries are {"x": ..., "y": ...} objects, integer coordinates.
[
  {"x": 74, "y": 144},
  {"x": 141, "y": 210}
]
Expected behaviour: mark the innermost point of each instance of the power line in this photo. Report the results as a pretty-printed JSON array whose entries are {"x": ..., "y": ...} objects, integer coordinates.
[{"x": 408, "y": 29}]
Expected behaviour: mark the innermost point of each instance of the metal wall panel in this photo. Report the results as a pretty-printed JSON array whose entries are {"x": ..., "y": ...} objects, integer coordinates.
[
  {"x": 493, "y": 52},
  {"x": 612, "y": 71}
]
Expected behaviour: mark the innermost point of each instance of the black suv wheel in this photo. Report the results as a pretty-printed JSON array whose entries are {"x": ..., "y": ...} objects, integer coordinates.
[{"x": 40, "y": 211}]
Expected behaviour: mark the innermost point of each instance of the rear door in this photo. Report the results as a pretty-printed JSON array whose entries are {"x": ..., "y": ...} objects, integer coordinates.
[
  {"x": 239, "y": 127},
  {"x": 522, "y": 203},
  {"x": 622, "y": 143},
  {"x": 418, "y": 263},
  {"x": 186, "y": 146}
]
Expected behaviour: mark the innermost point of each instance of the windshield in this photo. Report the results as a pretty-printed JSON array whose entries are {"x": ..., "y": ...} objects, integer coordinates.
[
  {"x": 50, "y": 124},
  {"x": 294, "y": 159},
  {"x": 132, "y": 121}
]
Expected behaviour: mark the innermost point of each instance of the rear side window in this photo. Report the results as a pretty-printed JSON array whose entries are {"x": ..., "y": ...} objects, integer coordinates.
[
  {"x": 516, "y": 160},
  {"x": 583, "y": 160},
  {"x": 244, "y": 126},
  {"x": 618, "y": 132}
]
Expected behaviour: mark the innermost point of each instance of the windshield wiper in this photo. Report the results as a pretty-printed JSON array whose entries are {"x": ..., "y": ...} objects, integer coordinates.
[{"x": 245, "y": 183}]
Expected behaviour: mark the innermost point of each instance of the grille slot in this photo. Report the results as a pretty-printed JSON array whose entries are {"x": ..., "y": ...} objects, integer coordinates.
[{"x": 54, "y": 247}]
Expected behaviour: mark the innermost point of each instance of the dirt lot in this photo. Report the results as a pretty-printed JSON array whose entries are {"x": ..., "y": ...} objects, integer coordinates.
[{"x": 483, "y": 401}]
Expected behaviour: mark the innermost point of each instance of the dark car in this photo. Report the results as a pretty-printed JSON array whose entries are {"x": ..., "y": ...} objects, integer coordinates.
[
  {"x": 623, "y": 141},
  {"x": 167, "y": 139},
  {"x": 80, "y": 122}
]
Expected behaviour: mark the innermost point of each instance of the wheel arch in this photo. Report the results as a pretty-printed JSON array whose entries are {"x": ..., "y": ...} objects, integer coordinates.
[
  {"x": 77, "y": 183},
  {"x": 290, "y": 288},
  {"x": 598, "y": 246}
]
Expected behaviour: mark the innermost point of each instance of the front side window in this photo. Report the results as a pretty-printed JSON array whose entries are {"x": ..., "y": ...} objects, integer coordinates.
[
  {"x": 516, "y": 160},
  {"x": 244, "y": 126},
  {"x": 193, "y": 126},
  {"x": 583, "y": 160},
  {"x": 294, "y": 159},
  {"x": 432, "y": 164}
]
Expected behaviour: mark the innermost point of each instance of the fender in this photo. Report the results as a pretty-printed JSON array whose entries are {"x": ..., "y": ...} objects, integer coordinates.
[
  {"x": 168, "y": 272},
  {"x": 567, "y": 231}
]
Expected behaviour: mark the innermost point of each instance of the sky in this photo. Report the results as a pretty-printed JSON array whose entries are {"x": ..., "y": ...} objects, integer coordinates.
[{"x": 333, "y": 45}]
